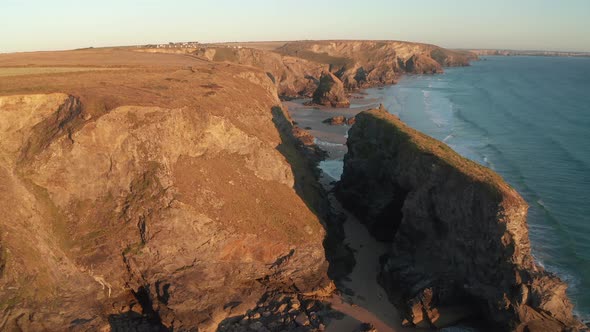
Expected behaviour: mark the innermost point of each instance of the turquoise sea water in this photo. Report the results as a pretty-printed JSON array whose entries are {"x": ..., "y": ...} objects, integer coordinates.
[{"x": 527, "y": 118}]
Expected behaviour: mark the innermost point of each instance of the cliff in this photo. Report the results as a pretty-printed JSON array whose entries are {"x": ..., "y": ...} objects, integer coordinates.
[
  {"x": 293, "y": 77},
  {"x": 154, "y": 195},
  {"x": 362, "y": 64},
  {"x": 296, "y": 67},
  {"x": 458, "y": 232}
]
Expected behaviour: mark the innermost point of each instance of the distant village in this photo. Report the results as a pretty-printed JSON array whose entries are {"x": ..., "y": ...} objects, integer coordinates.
[
  {"x": 175, "y": 45},
  {"x": 184, "y": 45}
]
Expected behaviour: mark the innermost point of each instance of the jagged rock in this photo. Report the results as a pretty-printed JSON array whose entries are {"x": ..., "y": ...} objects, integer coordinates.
[
  {"x": 302, "y": 319},
  {"x": 330, "y": 92},
  {"x": 458, "y": 232},
  {"x": 282, "y": 308},
  {"x": 340, "y": 121}
]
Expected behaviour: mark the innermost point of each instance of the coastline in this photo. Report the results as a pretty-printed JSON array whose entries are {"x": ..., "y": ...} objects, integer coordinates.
[
  {"x": 522, "y": 129},
  {"x": 290, "y": 262},
  {"x": 325, "y": 134}
]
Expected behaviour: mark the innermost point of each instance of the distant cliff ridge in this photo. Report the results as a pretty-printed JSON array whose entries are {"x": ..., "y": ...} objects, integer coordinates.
[
  {"x": 458, "y": 232},
  {"x": 296, "y": 67}
]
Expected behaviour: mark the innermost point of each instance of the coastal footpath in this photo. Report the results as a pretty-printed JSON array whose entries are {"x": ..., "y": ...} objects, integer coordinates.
[{"x": 457, "y": 231}]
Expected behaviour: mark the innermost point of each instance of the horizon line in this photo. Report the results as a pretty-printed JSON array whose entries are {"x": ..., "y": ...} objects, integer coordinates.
[{"x": 300, "y": 40}]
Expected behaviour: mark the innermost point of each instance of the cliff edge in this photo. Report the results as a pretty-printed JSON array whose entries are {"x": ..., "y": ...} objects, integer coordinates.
[
  {"x": 458, "y": 232},
  {"x": 154, "y": 196}
]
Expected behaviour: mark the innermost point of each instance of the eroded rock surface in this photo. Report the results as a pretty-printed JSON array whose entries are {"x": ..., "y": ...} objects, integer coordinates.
[
  {"x": 362, "y": 64},
  {"x": 330, "y": 92},
  {"x": 458, "y": 232},
  {"x": 172, "y": 214},
  {"x": 293, "y": 76}
]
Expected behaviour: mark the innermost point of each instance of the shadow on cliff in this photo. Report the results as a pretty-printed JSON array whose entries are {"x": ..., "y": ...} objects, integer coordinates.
[
  {"x": 304, "y": 160},
  {"x": 149, "y": 320}
]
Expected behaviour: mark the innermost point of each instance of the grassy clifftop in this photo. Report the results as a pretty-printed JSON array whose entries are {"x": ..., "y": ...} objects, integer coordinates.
[{"x": 410, "y": 139}]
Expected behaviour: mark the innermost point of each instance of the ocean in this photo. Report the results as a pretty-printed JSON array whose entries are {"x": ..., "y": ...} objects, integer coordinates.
[{"x": 527, "y": 118}]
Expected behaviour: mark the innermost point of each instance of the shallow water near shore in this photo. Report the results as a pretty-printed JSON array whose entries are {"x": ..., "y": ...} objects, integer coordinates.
[{"x": 527, "y": 118}]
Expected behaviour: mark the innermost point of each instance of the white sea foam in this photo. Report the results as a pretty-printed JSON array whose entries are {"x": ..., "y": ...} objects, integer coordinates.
[{"x": 319, "y": 142}]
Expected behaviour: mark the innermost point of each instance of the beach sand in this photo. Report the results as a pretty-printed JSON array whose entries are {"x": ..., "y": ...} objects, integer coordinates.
[{"x": 368, "y": 302}]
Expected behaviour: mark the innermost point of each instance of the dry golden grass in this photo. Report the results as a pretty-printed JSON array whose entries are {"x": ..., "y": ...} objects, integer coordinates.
[
  {"x": 425, "y": 144},
  {"x": 18, "y": 71},
  {"x": 263, "y": 45}
]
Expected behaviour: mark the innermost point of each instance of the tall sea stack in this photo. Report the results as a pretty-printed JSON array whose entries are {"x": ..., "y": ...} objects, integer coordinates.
[{"x": 458, "y": 231}]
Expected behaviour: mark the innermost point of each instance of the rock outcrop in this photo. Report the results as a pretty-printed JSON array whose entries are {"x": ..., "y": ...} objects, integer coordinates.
[
  {"x": 148, "y": 199},
  {"x": 281, "y": 312},
  {"x": 330, "y": 92},
  {"x": 340, "y": 120},
  {"x": 421, "y": 64},
  {"x": 458, "y": 232}
]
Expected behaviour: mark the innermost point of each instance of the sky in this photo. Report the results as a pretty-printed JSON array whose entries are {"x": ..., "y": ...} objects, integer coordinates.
[{"x": 29, "y": 25}]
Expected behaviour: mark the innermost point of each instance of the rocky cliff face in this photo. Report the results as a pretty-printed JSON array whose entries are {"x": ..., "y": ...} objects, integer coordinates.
[
  {"x": 330, "y": 92},
  {"x": 458, "y": 232},
  {"x": 361, "y": 64},
  {"x": 151, "y": 199},
  {"x": 296, "y": 67},
  {"x": 294, "y": 77}
]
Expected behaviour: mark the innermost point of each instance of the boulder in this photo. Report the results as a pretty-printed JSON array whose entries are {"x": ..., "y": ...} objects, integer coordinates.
[{"x": 339, "y": 121}]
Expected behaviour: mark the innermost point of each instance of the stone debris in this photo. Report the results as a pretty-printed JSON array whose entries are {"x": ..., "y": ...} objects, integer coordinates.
[{"x": 278, "y": 312}]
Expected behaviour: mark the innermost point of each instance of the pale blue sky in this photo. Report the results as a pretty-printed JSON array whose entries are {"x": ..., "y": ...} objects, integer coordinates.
[{"x": 27, "y": 25}]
